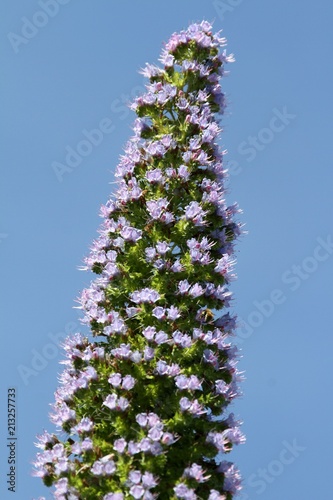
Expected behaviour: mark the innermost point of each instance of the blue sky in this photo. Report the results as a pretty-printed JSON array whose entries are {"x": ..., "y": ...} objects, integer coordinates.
[{"x": 70, "y": 67}]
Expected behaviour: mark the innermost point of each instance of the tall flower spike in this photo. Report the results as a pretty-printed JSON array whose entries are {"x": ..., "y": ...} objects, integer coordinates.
[{"x": 142, "y": 407}]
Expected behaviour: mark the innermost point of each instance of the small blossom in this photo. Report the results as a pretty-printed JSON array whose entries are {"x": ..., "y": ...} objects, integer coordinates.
[
  {"x": 196, "y": 290},
  {"x": 161, "y": 337},
  {"x": 158, "y": 312},
  {"x": 183, "y": 286},
  {"x": 85, "y": 425},
  {"x": 173, "y": 313},
  {"x": 113, "y": 496},
  {"x": 145, "y": 295},
  {"x": 149, "y": 332},
  {"x": 128, "y": 382},
  {"x": 162, "y": 247},
  {"x": 148, "y": 353},
  {"x": 119, "y": 445},
  {"x": 137, "y": 491},
  {"x": 155, "y": 433},
  {"x": 115, "y": 379},
  {"x": 133, "y": 448},
  {"x": 155, "y": 176}
]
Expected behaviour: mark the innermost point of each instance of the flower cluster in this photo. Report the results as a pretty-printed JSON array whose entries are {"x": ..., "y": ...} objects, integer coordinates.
[{"x": 141, "y": 409}]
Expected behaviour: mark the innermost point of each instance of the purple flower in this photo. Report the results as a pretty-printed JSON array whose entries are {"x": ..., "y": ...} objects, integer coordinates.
[
  {"x": 215, "y": 495},
  {"x": 44, "y": 439},
  {"x": 87, "y": 444},
  {"x": 131, "y": 234},
  {"x": 232, "y": 479},
  {"x": 193, "y": 407},
  {"x": 134, "y": 476},
  {"x": 170, "y": 172},
  {"x": 113, "y": 496},
  {"x": 122, "y": 404},
  {"x": 145, "y": 445},
  {"x": 62, "y": 486},
  {"x": 194, "y": 383},
  {"x": 161, "y": 337},
  {"x": 136, "y": 356},
  {"x": 182, "y": 103},
  {"x": 183, "y": 286},
  {"x": 148, "y": 353},
  {"x": 184, "y": 340},
  {"x": 137, "y": 491},
  {"x": 62, "y": 413},
  {"x": 156, "y": 449},
  {"x": 162, "y": 367},
  {"x": 183, "y": 172},
  {"x": 115, "y": 379},
  {"x": 117, "y": 326},
  {"x": 177, "y": 266},
  {"x": 197, "y": 472},
  {"x": 167, "y": 59},
  {"x": 167, "y": 139},
  {"x": 145, "y": 295},
  {"x": 157, "y": 207},
  {"x": 182, "y": 491},
  {"x": 221, "y": 387},
  {"x": 155, "y": 176},
  {"x": 153, "y": 419},
  {"x": 109, "y": 467},
  {"x": 61, "y": 466},
  {"x": 132, "y": 311},
  {"x": 111, "y": 401},
  {"x": 155, "y": 433},
  {"x": 98, "y": 468},
  {"x": 184, "y": 404},
  {"x": 162, "y": 247},
  {"x": 76, "y": 448},
  {"x": 168, "y": 438},
  {"x": 133, "y": 448},
  {"x": 194, "y": 212},
  {"x": 167, "y": 217},
  {"x": 98, "y": 353},
  {"x": 119, "y": 445},
  {"x": 182, "y": 382},
  {"x": 196, "y": 291},
  {"x": 128, "y": 382},
  {"x": 156, "y": 148},
  {"x": 151, "y": 70},
  {"x": 58, "y": 451},
  {"x": 85, "y": 425},
  {"x": 123, "y": 351},
  {"x": 148, "y": 480},
  {"x": 173, "y": 313},
  {"x": 173, "y": 370},
  {"x": 142, "y": 419},
  {"x": 150, "y": 254},
  {"x": 158, "y": 312}
]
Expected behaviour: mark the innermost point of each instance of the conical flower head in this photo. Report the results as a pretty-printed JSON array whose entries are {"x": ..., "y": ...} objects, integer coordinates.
[{"x": 142, "y": 406}]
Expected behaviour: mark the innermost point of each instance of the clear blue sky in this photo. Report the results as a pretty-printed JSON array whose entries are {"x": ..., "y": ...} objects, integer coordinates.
[{"x": 75, "y": 72}]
